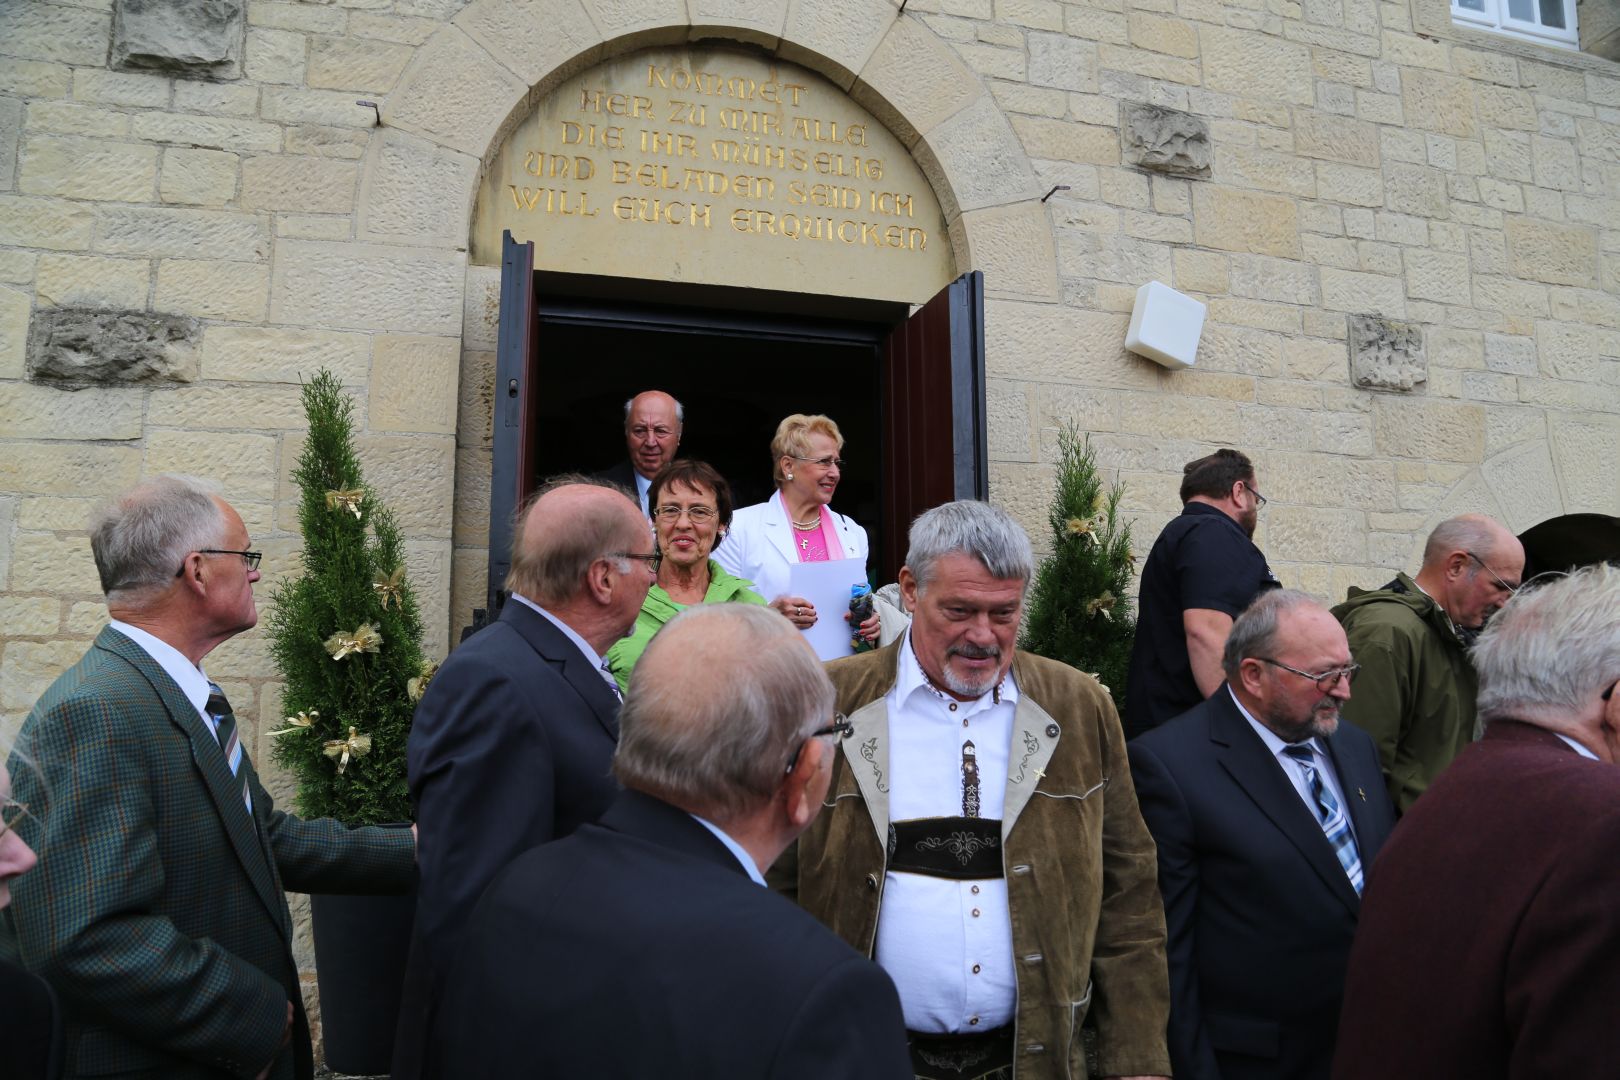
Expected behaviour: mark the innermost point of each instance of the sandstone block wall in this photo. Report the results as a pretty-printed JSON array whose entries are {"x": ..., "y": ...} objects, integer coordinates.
[{"x": 225, "y": 218}]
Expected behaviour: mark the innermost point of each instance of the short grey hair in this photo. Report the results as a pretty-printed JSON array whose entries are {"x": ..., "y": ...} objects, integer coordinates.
[
  {"x": 977, "y": 529},
  {"x": 549, "y": 566},
  {"x": 140, "y": 539},
  {"x": 719, "y": 703},
  {"x": 680, "y": 410},
  {"x": 1254, "y": 631},
  {"x": 1551, "y": 647},
  {"x": 1469, "y": 532}
]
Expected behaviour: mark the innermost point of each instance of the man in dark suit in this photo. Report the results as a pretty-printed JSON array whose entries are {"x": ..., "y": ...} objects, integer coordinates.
[
  {"x": 647, "y": 944},
  {"x": 158, "y": 914},
  {"x": 1266, "y": 812},
  {"x": 511, "y": 745},
  {"x": 1490, "y": 935},
  {"x": 652, "y": 433}
]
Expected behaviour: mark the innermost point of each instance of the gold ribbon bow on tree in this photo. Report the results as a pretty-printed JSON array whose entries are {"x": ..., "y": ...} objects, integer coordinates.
[
  {"x": 1102, "y": 605},
  {"x": 365, "y": 638},
  {"x": 390, "y": 587},
  {"x": 356, "y": 745},
  {"x": 346, "y": 499},
  {"x": 1086, "y": 530},
  {"x": 415, "y": 688},
  {"x": 302, "y": 722}
]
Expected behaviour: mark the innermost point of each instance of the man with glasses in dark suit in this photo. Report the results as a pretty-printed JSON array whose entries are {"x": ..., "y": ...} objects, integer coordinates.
[
  {"x": 511, "y": 744},
  {"x": 647, "y": 944},
  {"x": 159, "y": 915}
]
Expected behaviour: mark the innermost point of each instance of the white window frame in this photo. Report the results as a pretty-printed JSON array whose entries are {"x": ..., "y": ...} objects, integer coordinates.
[{"x": 1495, "y": 18}]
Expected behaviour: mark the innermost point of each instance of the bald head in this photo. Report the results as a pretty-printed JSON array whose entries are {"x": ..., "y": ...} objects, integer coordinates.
[
  {"x": 1471, "y": 565},
  {"x": 717, "y": 705},
  {"x": 652, "y": 430},
  {"x": 564, "y": 528}
]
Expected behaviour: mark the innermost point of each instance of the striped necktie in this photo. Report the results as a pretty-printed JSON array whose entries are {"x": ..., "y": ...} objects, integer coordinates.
[
  {"x": 229, "y": 740},
  {"x": 613, "y": 684},
  {"x": 1330, "y": 814}
]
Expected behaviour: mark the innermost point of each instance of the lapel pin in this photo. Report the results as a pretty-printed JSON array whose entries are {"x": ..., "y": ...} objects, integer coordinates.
[
  {"x": 1040, "y": 774},
  {"x": 1360, "y": 794}
]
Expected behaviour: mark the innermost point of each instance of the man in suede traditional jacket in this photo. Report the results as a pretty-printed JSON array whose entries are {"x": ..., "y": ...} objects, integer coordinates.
[{"x": 981, "y": 837}]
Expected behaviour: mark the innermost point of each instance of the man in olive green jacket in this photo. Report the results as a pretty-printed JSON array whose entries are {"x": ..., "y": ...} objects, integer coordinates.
[
  {"x": 1416, "y": 689},
  {"x": 981, "y": 837}
]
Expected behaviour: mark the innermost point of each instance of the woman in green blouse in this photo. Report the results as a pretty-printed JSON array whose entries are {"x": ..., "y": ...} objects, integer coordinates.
[{"x": 690, "y": 505}]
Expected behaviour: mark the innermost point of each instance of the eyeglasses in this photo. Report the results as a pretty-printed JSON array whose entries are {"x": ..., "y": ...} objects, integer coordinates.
[
  {"x": 840, "y": 727},
  {"x": 641, "y": 431},
  {"x": 1258, "y": 498},
  {"x": 250, "y": 557},
  {"x": 697, "y": 515},
  {"x": 652, "y": 560},
  {"x": 11, "y": 812},
  {"x": 1324, "y": 680},
  {"x": 828, "y": 462},
  {"x": 1500, "y": 584}
]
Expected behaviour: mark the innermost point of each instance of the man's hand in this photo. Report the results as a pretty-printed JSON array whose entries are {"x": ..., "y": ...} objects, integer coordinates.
[{"x": 286, "y": 1037}]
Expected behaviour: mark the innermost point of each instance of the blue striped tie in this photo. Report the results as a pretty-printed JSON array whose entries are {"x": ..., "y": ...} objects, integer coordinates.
[
  {"x": 1331, "y": 816},
  {"x": 229, "y": 740}
]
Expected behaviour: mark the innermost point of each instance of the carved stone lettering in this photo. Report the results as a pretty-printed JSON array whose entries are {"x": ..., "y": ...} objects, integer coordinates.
[
  {"x": 1165, "y": 140},
  {"x": 1386, "y": 354},
  {"x": 74, "y": 347},
  {"x": 191, "y": 37}
]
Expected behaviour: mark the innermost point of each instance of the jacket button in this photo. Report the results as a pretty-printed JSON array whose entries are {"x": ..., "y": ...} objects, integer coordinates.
[
  {"x": 1051, "y": 731},
  {"x": 1035, "y": 1048},
  {"x": 871, "y": 881},
  {"x": 1033, "y": 958},
  {"x": 1021, "y": 868}
]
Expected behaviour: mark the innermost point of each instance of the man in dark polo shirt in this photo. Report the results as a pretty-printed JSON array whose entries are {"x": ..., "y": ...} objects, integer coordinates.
[{"x": 1203, "y": 571}]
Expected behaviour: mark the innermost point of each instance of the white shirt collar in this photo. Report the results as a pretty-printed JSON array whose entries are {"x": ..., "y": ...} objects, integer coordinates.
[
  {"x": 735, "y": 848},
  {"x": 568, "y": 631},
  {"x": 909, "y": 679},
  {"x": 1577, "y": 747},
  {"x": 188, "y": 676},
  {"x": 1274, "y": 742}
]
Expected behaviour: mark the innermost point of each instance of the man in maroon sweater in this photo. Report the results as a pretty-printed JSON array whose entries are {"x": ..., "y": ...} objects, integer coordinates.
[{"x": 1489, "y": 943}]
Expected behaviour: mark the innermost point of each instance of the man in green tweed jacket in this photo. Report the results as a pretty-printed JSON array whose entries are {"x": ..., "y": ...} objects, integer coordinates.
[{"x": 157, "y": 911}]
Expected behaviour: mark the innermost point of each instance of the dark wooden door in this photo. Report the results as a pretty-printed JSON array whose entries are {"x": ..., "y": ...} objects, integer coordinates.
[
  {"x": 934, "y": 447},
  {"x": 516, "y": 384}
]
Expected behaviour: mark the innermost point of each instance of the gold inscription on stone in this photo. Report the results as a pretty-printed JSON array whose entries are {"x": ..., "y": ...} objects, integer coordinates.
[{"x": 717, "y": 145}]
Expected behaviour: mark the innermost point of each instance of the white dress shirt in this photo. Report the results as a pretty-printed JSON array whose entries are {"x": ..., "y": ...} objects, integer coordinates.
[
  {"x": 569, "y": 633},
  {"x": 735, "y": 848},
  {"x": 1295, "y": 770},
  {"x": 186, "y": 675},
  {"x": 946, "y": 944},
  {"x": 1577, "y": 747}
]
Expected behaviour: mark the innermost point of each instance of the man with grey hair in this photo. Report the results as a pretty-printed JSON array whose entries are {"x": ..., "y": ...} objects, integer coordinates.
[
  {"x": 653, "y": 422},
  {"x": 983, "y": 841},
  {"x": 1266, "y": 814},
  {"x": 158, "y": 914},
  {"x": 511, "y": 743},
  {"x": 1490, "y": 930},
  {"x": 663, "y": 953},
  {"x": 1411, "y": 637}
]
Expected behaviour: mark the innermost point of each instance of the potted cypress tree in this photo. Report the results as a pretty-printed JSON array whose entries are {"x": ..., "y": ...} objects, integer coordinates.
[
  {"x": 346, "y": 638},
  {"x": 1080, "y": 606}
]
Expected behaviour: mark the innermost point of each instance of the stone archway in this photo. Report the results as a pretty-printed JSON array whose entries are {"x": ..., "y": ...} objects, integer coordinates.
[{"x": 476, "y": 77}]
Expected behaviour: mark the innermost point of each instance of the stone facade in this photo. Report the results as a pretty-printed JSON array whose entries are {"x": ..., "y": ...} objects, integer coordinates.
[{"x": 235, "y": 213}]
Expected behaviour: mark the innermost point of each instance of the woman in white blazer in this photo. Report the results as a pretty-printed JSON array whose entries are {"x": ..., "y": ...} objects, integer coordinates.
[{"x": 795, "y": 525}]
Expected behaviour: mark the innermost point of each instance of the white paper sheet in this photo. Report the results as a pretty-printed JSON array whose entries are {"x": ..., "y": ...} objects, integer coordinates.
[{"x": 826, "y": 585}]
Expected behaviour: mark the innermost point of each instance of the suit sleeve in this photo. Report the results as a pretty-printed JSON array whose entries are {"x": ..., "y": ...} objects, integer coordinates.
[
  {"x": 483, "y": 780},
  {"x": 1129, "y": 983},
  {"x": 86, "y": 915},
  {"x": 1169, "y": 820},
  {"x": 849, "y": 1025},
  {"x": 325, "y": 856}
]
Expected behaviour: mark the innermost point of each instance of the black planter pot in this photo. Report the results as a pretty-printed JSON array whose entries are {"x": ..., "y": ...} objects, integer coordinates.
[{"x": 361, "y": 943}]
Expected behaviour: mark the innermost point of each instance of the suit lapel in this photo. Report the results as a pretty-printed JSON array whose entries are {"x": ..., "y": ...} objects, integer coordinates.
[
  {"x": 1354, "y": 787},
  {"x": 564, "y": 656},
  {"x": 1246, "y": 758},
  {"x": 777, "y": 530},
  {"x": 867, "y": 752},
  {"x": 223, "y": 788},
  {"x": 1031, "y": 749}
]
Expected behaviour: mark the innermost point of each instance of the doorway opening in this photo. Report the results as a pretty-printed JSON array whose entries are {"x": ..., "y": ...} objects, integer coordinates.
[{"x": 905, "y": 387}]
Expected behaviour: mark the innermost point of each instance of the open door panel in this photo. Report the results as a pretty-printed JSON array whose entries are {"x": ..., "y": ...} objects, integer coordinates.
[
  {"x": 512, "y": 472},
  {"x": 934, "y": 447}
]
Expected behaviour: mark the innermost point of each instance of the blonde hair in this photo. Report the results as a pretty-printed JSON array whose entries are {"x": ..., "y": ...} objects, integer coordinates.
[{"x": 792, "y": 439}]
